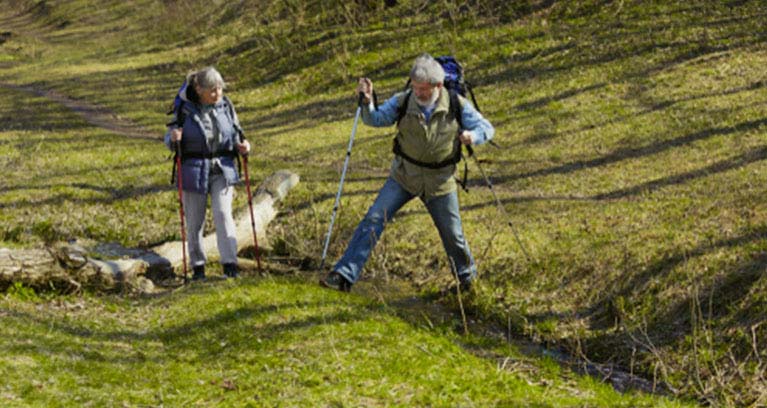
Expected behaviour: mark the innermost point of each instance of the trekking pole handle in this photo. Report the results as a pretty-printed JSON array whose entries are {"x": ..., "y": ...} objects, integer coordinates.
[{"x": 360, "y": 98}]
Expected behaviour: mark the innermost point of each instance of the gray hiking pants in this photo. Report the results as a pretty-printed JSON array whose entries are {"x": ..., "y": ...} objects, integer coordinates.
[{"x": 221, "y": 204}]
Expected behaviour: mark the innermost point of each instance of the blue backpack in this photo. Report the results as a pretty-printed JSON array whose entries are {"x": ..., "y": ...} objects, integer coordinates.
[
  {"x": 454, "y": 83},
  {"x": 177, "y": 108}
]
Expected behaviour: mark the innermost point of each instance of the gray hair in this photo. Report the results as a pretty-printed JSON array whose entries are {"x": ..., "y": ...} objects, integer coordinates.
[
  {"x": 208, "y": 78},
  {"x": 427, "y": 69}
]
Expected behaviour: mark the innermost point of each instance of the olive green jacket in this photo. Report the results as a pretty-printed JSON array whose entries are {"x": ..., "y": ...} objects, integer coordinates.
[{"x": 430, "y": 142}]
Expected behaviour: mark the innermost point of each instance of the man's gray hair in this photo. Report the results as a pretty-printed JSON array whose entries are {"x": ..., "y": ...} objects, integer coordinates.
[
  {"x": 427, "y": 69},
  {"x": 209, "y": 78}
]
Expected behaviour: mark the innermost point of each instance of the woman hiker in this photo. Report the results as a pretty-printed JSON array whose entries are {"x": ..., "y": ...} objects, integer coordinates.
[{"x": 207, "y": 131}]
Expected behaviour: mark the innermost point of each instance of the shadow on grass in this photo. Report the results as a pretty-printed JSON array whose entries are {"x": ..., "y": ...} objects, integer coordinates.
[
  {"x": 35, "y": 113},
  {"x": 303, "y": 205},
  {"x": 742, "y": 160},
  {"x": 636, "y": 152},
  {"x": 671, "y": 326},
  {"x": 114, "y": 194},
  {"x": 653, "y": 107},
  {"x": 189, "y": 337}
]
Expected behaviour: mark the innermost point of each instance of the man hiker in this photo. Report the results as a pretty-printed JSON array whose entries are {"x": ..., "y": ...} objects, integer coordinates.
[{"x": 429, "y": 135}]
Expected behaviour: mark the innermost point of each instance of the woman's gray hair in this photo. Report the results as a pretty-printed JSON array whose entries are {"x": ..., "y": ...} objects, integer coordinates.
[
  {"x": 207, "y": 78},
  {"x": 427, "y": 69}
]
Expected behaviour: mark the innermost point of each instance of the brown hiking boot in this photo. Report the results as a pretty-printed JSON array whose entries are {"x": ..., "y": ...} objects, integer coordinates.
[{"x": 336, "y": 281}]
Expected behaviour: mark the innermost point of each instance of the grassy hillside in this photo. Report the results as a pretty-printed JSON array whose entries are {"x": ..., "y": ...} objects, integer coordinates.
[
  {"x": 264, "y": 343},
  {"x": 632, "y": 164}
]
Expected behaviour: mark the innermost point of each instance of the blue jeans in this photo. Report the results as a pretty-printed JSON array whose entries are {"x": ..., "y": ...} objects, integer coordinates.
[{"x": 444, "y": 212}]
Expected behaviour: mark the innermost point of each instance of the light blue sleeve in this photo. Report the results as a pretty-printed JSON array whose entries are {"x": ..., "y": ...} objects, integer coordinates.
[
  {"x": 474, "y": 122},
  {"x": 385, "y": 115}
]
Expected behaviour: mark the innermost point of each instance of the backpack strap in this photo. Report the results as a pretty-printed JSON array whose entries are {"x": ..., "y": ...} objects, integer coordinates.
[
  {"x": 180, "y": 116},
  {"x": 237, "y": 128},
  {"x": 179, "y": 112},
  {"x": 402, "y": 107},
  {"x": 173, "y": 170},
  {"x": 235, "y": 119},
  {"x": 454, "y": 109},
  {"x": 470, "y": 89},
  {"x": 457, "y": 110},
  {"x": 454, "y": 158}
]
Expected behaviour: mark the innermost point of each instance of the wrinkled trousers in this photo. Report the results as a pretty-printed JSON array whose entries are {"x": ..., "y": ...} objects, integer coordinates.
[{"x": 444, "y": 213}]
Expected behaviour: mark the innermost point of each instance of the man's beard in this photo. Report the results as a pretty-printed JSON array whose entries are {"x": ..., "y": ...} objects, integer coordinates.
[{"x": 430, "y": 101}]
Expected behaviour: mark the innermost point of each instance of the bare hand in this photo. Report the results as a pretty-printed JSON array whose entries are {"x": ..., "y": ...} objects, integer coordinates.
[
  {"x": 244, "y": 147},
  {"x": 175, "y": 135},
  {"x": 466, "y": 137},
  {"x": 365, "y": 85}
]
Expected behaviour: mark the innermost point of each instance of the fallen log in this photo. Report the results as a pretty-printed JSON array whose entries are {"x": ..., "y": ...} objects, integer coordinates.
[{"x": 67, "y": 266}]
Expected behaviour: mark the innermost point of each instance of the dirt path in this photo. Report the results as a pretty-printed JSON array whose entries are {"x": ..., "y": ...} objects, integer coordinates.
[{"x": 95, "y": 115}]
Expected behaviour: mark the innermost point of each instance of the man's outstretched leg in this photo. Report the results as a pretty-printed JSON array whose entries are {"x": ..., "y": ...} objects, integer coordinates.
[{"x": 347, "y": 271}]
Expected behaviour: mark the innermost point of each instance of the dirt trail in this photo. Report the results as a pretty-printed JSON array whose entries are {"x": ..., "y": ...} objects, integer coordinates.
[{"x": 93, "y": 114}]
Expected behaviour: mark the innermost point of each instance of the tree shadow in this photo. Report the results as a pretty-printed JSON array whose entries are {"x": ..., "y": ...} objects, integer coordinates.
[
  {"x": 655, "y": 107},
  {"x": 35, "y": 113},
  {"x": 558, "y": 97},
  {"x": 636, "y": 152},
  {"x": 742, "y": 160},
  {"x": 181, "y": 338},
  {"x": 729, "y": 289},
  {"x": 114, "y": 194}
]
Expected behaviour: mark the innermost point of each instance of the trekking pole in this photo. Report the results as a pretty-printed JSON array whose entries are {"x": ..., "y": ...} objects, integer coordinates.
[
  {"x": 502, "y": 209},
  {"x": 343, "y": 175},
  {"x": 250, "y": 206},
  {"x": 177, "y": 146}
]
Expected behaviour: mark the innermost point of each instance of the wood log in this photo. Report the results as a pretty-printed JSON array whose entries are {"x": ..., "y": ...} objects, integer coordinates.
[{"x": 67, "y": 266}]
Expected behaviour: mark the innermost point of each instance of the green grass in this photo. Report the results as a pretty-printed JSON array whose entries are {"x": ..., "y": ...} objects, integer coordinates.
[
  {"x": 68, "y": 179},
  {"x": 632, "y": 168},
  {"x": 259, "y": 342}
]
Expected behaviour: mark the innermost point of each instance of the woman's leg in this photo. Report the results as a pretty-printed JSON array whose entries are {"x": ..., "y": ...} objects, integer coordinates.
[{"x": 226, "y": 231}]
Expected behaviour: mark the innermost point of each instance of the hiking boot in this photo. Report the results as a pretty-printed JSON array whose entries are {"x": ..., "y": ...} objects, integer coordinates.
[
  {"x": 230, "y": 270},
  {"x": 336, "y": 281},
  {"x": 465, "y": 285},
  {"x": 199, "y": 273}
]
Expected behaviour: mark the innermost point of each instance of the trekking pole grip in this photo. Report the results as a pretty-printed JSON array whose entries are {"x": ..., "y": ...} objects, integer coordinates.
[{"x": 360, "y": 98}]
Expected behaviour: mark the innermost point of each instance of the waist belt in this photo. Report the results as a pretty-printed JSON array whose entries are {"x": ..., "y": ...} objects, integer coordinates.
[
  {"x": 209, "y": 156},
  {"x": 455, "y": 157}
]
